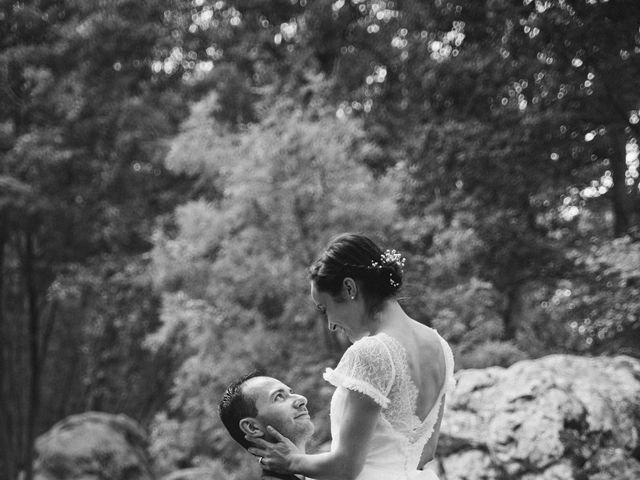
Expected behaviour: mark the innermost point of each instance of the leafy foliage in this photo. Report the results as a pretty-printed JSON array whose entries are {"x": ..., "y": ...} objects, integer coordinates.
[
  {"x": 233, "y": 269},
  {"x": 495, "y": 143},
  {"x": 82, "y": 116}
]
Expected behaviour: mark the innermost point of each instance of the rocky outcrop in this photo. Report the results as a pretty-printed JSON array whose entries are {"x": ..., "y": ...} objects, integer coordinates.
[
  {"x": 560, "y": 417},
  {"x": 93, "y": 446}
]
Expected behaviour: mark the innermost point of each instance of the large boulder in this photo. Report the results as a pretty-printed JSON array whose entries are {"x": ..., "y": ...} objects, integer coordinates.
[
  {"x": 560, "y": 417},
  {"x": 93, "y": 446}
]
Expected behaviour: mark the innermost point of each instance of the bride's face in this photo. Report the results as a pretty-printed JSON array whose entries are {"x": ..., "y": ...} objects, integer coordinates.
[{"x": 346, "y": 312}]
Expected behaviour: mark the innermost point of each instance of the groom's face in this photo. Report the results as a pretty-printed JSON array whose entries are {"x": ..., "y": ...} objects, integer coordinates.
[{"x": 280, "y": 408}]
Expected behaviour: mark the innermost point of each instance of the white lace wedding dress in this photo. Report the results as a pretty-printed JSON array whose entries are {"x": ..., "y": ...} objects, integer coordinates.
[{"x": 377, "y": 367}]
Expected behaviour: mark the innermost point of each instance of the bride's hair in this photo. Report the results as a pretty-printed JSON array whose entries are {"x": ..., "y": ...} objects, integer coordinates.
[{"x": 378, "y": 272}]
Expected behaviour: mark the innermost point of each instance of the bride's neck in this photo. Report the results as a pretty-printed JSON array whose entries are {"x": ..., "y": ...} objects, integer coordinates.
[{"x": 390, "y": 317}]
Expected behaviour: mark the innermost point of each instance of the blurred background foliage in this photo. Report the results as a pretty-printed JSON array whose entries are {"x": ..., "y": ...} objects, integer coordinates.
[{"x": 169, "y": 169}]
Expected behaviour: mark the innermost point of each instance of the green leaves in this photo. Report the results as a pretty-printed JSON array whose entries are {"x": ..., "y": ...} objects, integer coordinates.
[
  {"x": 490, "y": 141},
  {"x": 233, "y": 269}
]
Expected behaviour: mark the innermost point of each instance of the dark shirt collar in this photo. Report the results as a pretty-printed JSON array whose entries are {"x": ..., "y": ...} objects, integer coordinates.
[{"x": 283, "y": 476}]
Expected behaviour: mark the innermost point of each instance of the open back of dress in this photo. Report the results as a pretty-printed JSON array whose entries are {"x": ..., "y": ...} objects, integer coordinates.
[{"x": 377, "y": 366}]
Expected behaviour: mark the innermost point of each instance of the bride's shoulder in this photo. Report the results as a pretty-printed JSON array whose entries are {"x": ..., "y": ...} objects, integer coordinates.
[
  {"x": 368, "y": 342},
  {"x": 368, "y": 347},
  {"x": 425, "y": 334}
]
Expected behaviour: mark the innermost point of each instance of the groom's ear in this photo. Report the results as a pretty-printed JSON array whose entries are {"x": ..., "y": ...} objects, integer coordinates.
[{"x": 251, "y": 427}]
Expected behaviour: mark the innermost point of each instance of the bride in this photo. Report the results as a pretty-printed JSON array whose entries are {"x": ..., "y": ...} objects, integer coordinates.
[{"x": 390, "y": 384}]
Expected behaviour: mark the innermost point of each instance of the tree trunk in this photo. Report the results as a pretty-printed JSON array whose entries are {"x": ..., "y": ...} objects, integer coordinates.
[
  {"x": 7, "y": 453},
  {"x": 619, "y": 196},
  {"x": 512, "y": 312},
  {"x": 33, "y": 403}
]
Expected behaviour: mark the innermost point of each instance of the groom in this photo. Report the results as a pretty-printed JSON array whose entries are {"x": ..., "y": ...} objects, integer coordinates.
[{"x": 255, "y": 401}]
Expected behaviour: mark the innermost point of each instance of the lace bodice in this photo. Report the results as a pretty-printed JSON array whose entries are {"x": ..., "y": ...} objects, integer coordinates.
[{"x": 377, "y": 366}]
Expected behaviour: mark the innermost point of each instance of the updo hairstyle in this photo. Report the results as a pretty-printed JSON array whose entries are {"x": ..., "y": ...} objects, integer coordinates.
[{"x": 358, "y": 257}]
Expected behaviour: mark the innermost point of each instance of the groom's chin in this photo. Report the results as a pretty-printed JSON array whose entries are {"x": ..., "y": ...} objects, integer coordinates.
[
  {"x": 312, "y": 429},
  {"x": 309, "y": 429}
]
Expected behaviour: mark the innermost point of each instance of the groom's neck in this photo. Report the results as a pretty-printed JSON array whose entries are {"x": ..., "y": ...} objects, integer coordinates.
[
  {"x": 268, "y": 475},
  {"x": 301, "y": 444}
]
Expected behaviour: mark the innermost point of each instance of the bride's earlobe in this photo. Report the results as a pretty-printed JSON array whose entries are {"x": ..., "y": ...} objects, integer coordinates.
[{"x": 350, "y": 287}]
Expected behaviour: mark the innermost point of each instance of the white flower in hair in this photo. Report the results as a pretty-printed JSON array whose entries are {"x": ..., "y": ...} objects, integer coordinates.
[
  {"x": 393, "y": 256},
  {"x": 390, "y": 257}
]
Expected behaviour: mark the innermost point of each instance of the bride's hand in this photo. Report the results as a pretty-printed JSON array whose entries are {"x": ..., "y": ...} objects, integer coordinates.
[{"x": 278, "y": 456}]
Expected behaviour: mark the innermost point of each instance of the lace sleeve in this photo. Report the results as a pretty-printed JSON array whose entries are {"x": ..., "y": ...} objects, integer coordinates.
[{"x": 366, "y": 367}]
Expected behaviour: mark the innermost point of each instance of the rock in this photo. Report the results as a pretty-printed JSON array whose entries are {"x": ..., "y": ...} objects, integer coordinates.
[
  {"x": 560, "y": 417},
  {"x": 93, "y": 446}
]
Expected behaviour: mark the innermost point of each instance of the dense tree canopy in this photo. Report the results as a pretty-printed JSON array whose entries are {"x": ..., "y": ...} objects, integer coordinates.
[
  {"x": 81, "y": 116},
  {"x": 168, "y": 170}
]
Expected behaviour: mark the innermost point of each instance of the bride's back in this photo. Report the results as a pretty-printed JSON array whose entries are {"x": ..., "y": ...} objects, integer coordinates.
[
  {"x": 427, "y": 368},
  {"x": 405, "y": 368}
]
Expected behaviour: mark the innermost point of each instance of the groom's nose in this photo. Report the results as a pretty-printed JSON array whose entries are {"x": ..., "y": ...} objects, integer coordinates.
[{"x": 300, "y": 400}]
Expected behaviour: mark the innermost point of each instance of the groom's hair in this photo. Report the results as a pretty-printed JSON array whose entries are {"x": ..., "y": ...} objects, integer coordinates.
[{"x": 235, "y": 405}]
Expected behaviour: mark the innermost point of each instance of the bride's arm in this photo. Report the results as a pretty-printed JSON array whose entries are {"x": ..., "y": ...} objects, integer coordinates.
[{"x": 345, "y": 462}]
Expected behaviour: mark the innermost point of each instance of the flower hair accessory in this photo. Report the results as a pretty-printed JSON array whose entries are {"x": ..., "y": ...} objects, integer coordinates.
[{"x": 390, "y": 257}]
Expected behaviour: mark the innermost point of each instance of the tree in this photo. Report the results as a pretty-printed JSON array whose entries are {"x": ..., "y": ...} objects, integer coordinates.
[
  {"x": 82, "y": 114},
  {"x": 232, "y": 271},
  {"x": 520, "y": 114}
]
